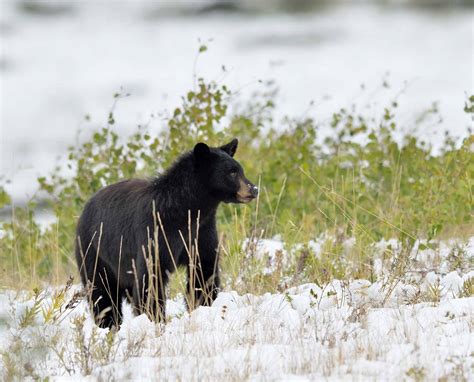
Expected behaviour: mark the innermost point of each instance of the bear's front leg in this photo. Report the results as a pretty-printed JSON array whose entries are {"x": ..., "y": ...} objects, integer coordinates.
[{"x": 203, "y": 274}]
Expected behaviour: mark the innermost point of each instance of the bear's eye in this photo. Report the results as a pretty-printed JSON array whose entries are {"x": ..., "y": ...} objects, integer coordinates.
[{"x": 233, "y": 173}]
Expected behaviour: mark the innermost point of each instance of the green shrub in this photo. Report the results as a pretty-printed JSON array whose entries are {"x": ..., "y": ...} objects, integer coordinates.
[{"x": 358, "y": 182}]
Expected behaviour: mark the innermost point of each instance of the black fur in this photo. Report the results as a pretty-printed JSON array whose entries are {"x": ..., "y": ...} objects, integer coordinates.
[{"x": 118, "y": 223}]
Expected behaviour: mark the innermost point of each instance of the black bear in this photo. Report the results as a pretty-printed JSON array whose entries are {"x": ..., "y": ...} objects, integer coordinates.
[{"x": 133, "y": 234}]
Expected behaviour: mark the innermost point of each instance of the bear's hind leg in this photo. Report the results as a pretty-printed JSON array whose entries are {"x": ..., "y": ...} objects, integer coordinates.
[
  {"x": 105, "y": 297},
  {"x": 150, "y": 297}
]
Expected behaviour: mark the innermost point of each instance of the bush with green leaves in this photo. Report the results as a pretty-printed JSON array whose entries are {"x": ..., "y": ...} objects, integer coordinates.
[{"x": 360, "y": 181}]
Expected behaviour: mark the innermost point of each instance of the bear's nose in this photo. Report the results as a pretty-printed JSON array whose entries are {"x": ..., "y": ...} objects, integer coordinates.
[{"x": 253, "y": 190}]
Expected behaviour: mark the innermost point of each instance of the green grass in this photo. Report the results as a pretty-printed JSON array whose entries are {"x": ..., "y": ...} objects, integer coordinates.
[{"x": 358, "y": 182}]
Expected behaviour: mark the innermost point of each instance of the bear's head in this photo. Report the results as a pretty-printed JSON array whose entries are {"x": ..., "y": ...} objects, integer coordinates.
[{"x": 222, "y": 174}]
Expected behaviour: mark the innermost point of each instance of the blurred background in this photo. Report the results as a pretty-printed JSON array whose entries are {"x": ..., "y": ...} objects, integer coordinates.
[{"x": 62, "y": 61}]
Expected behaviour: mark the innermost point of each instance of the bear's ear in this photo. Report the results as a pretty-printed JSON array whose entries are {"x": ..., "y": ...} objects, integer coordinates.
[
  {"x": 231, "y": 147},
  {"x": 201, "y": 151}
]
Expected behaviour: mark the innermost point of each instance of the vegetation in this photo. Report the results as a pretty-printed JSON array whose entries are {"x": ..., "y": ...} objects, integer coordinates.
[
  {"x": 358, "y": 182},
  {"x": 345, "y": 194}
]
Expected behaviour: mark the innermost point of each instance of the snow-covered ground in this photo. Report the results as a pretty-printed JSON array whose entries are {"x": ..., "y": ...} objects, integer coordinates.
[{"x": 345, "y": 330}]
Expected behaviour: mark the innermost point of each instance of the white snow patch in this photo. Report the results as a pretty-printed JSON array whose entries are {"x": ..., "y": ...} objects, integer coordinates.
[
  {"x": 304, "y": 333},
  {"x": 417, "y": 326}
]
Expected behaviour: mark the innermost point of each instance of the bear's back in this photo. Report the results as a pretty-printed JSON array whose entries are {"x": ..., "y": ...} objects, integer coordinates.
[{"x": 113, "y": 212}]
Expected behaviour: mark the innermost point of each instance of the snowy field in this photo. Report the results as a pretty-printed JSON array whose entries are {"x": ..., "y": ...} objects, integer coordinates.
[{"x": 418, "y": 327}]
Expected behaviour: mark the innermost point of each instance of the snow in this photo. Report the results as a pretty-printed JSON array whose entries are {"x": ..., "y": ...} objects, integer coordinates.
[
  {"x": 343, "y": 330},
  {"x": 265, "y": 250}
]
